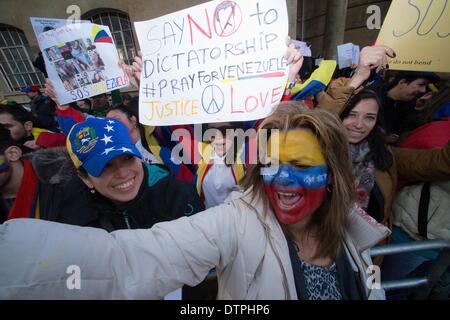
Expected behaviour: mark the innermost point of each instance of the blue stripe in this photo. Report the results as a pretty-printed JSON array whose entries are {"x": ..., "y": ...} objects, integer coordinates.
[{"x": 312, "y": 88}]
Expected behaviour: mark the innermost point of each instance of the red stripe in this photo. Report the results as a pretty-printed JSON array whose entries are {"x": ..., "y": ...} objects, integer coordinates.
[{"x": 273, "y": 75}]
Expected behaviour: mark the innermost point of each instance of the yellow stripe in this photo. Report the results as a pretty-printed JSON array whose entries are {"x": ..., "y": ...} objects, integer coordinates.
[
  {"x": 74, "y": 158},
  {"x": 205, "y": 150},
  {"x": 229, "y": 80},
  {"x": 37, "y": 131},
  {"x": 152, "y": 142}
]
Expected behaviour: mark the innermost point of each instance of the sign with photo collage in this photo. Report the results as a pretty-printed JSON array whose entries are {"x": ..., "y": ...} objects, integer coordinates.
[{"x": 81, "y": 61}]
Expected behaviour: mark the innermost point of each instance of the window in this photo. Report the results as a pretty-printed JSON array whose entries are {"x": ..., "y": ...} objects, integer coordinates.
[
  {"x": 15, "y": 59},
  {"x": 120, "y": 26}
]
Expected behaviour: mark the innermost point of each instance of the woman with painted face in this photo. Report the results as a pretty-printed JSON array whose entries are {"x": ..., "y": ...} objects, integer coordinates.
[
  {"x": 376, "y": 166},
  {"x": 291, "y": 233}
]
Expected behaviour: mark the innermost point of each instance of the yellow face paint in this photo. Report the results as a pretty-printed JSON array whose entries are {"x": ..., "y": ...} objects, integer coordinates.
[{"x": 298, "y": 147}]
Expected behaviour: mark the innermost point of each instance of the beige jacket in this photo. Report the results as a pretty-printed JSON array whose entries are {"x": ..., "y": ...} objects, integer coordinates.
[{"x": 248, "y": 249}]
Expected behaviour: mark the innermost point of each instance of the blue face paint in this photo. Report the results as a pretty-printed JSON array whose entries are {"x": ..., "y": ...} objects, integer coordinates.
[{"x": 288, "y": 176}]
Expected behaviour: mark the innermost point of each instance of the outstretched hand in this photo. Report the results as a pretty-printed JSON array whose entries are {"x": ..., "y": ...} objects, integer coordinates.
[
  {"x": 51, "y": 93},
  {"x": 133, "y": 71},
  {"x": 371, "y": 58},
  {"x": 295, "y": 60}
]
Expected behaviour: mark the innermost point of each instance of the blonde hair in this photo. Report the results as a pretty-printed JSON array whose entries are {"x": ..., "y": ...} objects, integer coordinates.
[{"x": 329, "y": 220}]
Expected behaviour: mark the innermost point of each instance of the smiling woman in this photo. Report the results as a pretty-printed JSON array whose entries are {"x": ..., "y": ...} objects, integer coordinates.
[
  {"x": 125, "y": 192},
  {"x": 376, "y": 165}
]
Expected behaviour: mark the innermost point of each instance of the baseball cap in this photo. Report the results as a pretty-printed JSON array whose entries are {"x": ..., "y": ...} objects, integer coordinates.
[
  {"x": 31, "y": 88},
  {"x": 96, "y": 141}
]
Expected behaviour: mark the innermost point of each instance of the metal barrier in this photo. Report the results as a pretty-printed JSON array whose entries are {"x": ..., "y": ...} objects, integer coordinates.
[{"x": 437, "y": 268}]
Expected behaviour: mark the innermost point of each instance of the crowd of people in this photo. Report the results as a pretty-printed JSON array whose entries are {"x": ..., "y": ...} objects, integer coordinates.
[{"x": 345, "y": 167}]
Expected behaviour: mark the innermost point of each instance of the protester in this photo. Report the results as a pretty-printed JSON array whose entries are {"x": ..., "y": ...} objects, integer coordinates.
[
  {"x": 42, "y": 108},
  {"x": 420, "y": 211},
  {"x": 285, "y": 236},
  {"x": 42, "y": 187},
  {"x": 223, "y": 162},
  {"x": 376, "y": 167},
  {"x": 125, "y": 192},
  {"x": 21, "y": 124}
]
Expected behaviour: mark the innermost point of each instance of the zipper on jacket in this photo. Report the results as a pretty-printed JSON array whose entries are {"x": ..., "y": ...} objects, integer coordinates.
[{"x": 125, "y": 216}]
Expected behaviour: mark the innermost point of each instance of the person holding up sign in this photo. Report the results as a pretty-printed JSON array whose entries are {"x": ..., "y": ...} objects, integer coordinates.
[
  {"x": 291, "y": 233},
  {"x": 216, "y": 174}
]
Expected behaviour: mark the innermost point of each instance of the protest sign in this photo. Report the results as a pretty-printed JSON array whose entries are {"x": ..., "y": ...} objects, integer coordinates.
[
  {"x": 45, "y": 24},
  {"x": 419, "y": 32},
  {"x": 81, "y": 61},
  {"x": 218, "y": 61}
]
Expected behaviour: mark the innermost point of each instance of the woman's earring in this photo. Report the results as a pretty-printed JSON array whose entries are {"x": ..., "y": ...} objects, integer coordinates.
[
  {"x": 329, "y": 188},
  {"x": 92, "y": 190}
]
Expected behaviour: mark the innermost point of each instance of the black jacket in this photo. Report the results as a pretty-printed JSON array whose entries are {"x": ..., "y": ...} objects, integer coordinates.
[
  {"x": 43, "y": 110},
  {"x": 160, "y": 198},
  {"x": 64, "y": 198}
]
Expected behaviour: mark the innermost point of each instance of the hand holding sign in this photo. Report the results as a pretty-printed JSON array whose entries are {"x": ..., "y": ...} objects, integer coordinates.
[{"x": 50, "y": 91}]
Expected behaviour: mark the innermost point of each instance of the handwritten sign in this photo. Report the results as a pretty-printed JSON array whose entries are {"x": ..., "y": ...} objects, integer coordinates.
[
  {"x": 218, "y": 61},
  {"x": 419, "y": 32},
  {"x": 81, "y": 61}
]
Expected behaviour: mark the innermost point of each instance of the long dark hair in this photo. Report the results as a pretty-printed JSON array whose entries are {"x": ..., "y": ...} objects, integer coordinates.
[{"x": 379, "y": 153}]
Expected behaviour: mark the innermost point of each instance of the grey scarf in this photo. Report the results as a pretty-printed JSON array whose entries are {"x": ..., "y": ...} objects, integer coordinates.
[{"x": 363, "y": 170}]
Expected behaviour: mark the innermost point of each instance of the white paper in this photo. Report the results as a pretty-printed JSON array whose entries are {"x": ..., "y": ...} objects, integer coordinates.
[
  {"x": 81, "y": 61},
  {"x": 302, "y": 47},
  {"x": 345, "y": 55},
  {"x": 348, "y": 55},
  {"x": 218, "y": 61}
]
